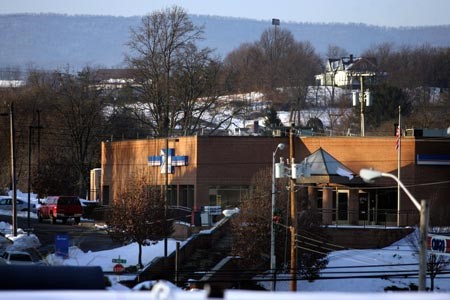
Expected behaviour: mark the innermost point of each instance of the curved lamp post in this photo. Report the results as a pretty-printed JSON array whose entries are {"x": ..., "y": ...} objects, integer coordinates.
[
  {"x": 272, "y": 233},
  {"x": 369, "y": 176}
]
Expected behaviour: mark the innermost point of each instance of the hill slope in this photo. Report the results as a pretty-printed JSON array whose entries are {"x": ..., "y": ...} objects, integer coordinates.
[{"x": 51, "y": 40}]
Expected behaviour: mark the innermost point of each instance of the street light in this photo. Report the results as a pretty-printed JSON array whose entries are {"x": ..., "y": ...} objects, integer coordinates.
[
  {"x": 272, "y": 233},
  {"x": 369, "y": 175}
]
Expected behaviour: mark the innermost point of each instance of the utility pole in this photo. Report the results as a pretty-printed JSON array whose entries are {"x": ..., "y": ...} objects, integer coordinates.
[
  {"x": 293, "y": 226},
  {"x": 166, "y": 183},
  {"x": 177, "y": 263},
  {"x": 399, "y": 159},
  {"x": 13, "y": 170},
  {"x": 38, "y": 139},
  {"x": 361, "y": 101},
  {"x": 364, "y": 97},
  {"x": 424, "y": 216},
  {"x": 30, "y": 141}
]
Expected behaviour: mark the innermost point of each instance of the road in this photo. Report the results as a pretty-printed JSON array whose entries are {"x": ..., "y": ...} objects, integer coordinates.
[{"x": 85, "y": 236}]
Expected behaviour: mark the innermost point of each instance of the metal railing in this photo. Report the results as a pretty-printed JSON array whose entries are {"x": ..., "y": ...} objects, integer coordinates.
[{"x": 380, "y": 217}]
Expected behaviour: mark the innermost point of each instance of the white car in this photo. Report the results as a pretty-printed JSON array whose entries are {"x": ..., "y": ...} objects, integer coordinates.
[
  {"x": 13, "y": 257},
  {"x": 21, "y": 204}
]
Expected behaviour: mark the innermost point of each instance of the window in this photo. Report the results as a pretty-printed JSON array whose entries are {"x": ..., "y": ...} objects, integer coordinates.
[
  {"x": 68, "y": 200},
  {"x": 342, "y": 206},
  {"x": 227, "y": 196},
  {"x": 319, "y": 199},
  {"x": 172, "y": 195},
  {"x": 387, "y": 205},
  {"x": 105, "y": 195},
  {"x": 186, "y": 196},
  {"x": 5, "y": 201},
  {"x": 20, "y": 257}
]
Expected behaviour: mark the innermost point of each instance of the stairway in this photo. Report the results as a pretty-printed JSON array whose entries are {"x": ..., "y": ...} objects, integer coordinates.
[{"x": 203, "y": 260}]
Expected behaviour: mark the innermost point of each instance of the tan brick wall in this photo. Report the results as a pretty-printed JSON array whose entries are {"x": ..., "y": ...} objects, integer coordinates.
[
  {"x": 120, "y": 160},
  {"x": 379, "y": 153},
  {"x": 232, "y": 161}
]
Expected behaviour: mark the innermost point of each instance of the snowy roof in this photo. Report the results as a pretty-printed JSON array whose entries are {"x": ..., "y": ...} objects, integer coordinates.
[{"x": 11, "y": 83}]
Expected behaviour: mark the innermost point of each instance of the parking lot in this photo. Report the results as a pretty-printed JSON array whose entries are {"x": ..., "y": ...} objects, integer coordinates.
[{"x": 86, "y": 236}]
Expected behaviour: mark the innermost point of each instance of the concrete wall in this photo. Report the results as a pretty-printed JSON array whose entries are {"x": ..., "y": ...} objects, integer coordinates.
[{"x": 364, "y": 238}]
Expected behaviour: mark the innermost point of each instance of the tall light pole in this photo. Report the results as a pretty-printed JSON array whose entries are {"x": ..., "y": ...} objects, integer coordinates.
[
  {"x": 272, "y": 230},
  {"x": 369, "y": 175}
]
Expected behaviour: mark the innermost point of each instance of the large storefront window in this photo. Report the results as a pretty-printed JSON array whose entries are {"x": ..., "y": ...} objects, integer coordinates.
[
  {"x": 186, "y": 196},
  {"x": 172, "y": 195},
  {"x": 180, "y": 195},
  {"x": 227, "y": 196},
  {"x": 386, "y": 206},
  {"x": 376, "y": 207}
]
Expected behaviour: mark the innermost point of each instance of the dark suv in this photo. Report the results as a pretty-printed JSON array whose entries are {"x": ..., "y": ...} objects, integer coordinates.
[{"x": 60, "y": 207}]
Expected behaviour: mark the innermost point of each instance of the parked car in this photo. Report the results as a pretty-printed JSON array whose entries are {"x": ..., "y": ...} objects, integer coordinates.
[
  {"x": 14, "y": 257},
  {"x": 60, "y": 207},
  {"x": 21, "y": 204}
]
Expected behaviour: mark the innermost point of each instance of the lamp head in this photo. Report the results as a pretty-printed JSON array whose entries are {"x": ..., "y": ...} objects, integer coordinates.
[
  {"x": 281, "y": 146},
  {"x": 369, "y": 175}
]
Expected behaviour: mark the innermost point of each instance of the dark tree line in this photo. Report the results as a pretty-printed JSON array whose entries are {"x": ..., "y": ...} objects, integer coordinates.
[{"x": 418, "y": 79}]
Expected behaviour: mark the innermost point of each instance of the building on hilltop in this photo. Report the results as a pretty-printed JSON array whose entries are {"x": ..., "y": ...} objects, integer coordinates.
[{"x": 346, "y": 71}]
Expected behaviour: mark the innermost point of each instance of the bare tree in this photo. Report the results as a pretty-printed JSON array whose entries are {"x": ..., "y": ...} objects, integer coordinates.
[
  {"x": 196, "y": 82},
  {"x": 176, "y": 82},
  {"x": 138, "y": 215},
  {"x": 254, "y": 220},
  {"x": 79, "y": 105},
  {"x": 242, "y": 70}
]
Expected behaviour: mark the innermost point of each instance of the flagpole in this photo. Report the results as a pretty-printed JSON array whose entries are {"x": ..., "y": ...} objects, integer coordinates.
[{"x": 399, "y": 158}]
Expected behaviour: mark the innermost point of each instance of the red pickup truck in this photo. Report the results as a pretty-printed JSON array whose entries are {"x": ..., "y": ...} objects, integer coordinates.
[{"x": 60, "y": 207}]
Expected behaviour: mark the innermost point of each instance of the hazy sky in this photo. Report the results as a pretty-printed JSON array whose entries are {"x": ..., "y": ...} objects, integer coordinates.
[{"x": 374, "y": 12}]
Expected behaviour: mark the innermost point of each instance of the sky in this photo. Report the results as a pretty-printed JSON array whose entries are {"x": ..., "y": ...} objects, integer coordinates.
[{"x": 390, "y": 13}]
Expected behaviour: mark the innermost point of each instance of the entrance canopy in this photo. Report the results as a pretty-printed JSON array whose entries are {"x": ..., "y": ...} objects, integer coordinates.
[{"x": 326, "y": 169}]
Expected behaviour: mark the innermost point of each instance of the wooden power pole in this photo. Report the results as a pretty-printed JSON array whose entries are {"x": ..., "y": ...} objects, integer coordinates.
[{"x": 293, "y": 227}]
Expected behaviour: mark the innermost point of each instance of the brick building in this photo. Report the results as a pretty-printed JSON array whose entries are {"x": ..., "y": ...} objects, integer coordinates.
[{"x": 217, "y": 171}]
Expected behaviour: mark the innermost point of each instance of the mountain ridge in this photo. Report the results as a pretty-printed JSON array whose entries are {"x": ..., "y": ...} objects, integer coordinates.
[{"x": 58, "y": 40}]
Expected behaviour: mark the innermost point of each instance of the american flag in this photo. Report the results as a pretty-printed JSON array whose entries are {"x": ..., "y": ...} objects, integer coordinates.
[{"x": 397, "y": 134}]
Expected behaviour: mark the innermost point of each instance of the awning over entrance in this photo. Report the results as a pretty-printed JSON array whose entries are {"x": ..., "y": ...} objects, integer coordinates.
[{"x": 326, "y": 169}]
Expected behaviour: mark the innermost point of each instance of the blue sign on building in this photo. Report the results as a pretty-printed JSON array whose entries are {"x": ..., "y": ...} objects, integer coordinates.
[
  {"x": 62, "y": 245},
  {"x": 173, "y": 161}
]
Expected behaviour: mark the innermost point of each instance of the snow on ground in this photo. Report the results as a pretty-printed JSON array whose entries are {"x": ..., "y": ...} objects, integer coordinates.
[
  {"x": 104, "y": 258},
  {"x": 345, "y": 263},
  {"x": 348, "y": 263},
  {"x": 398, "y": 258}
]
